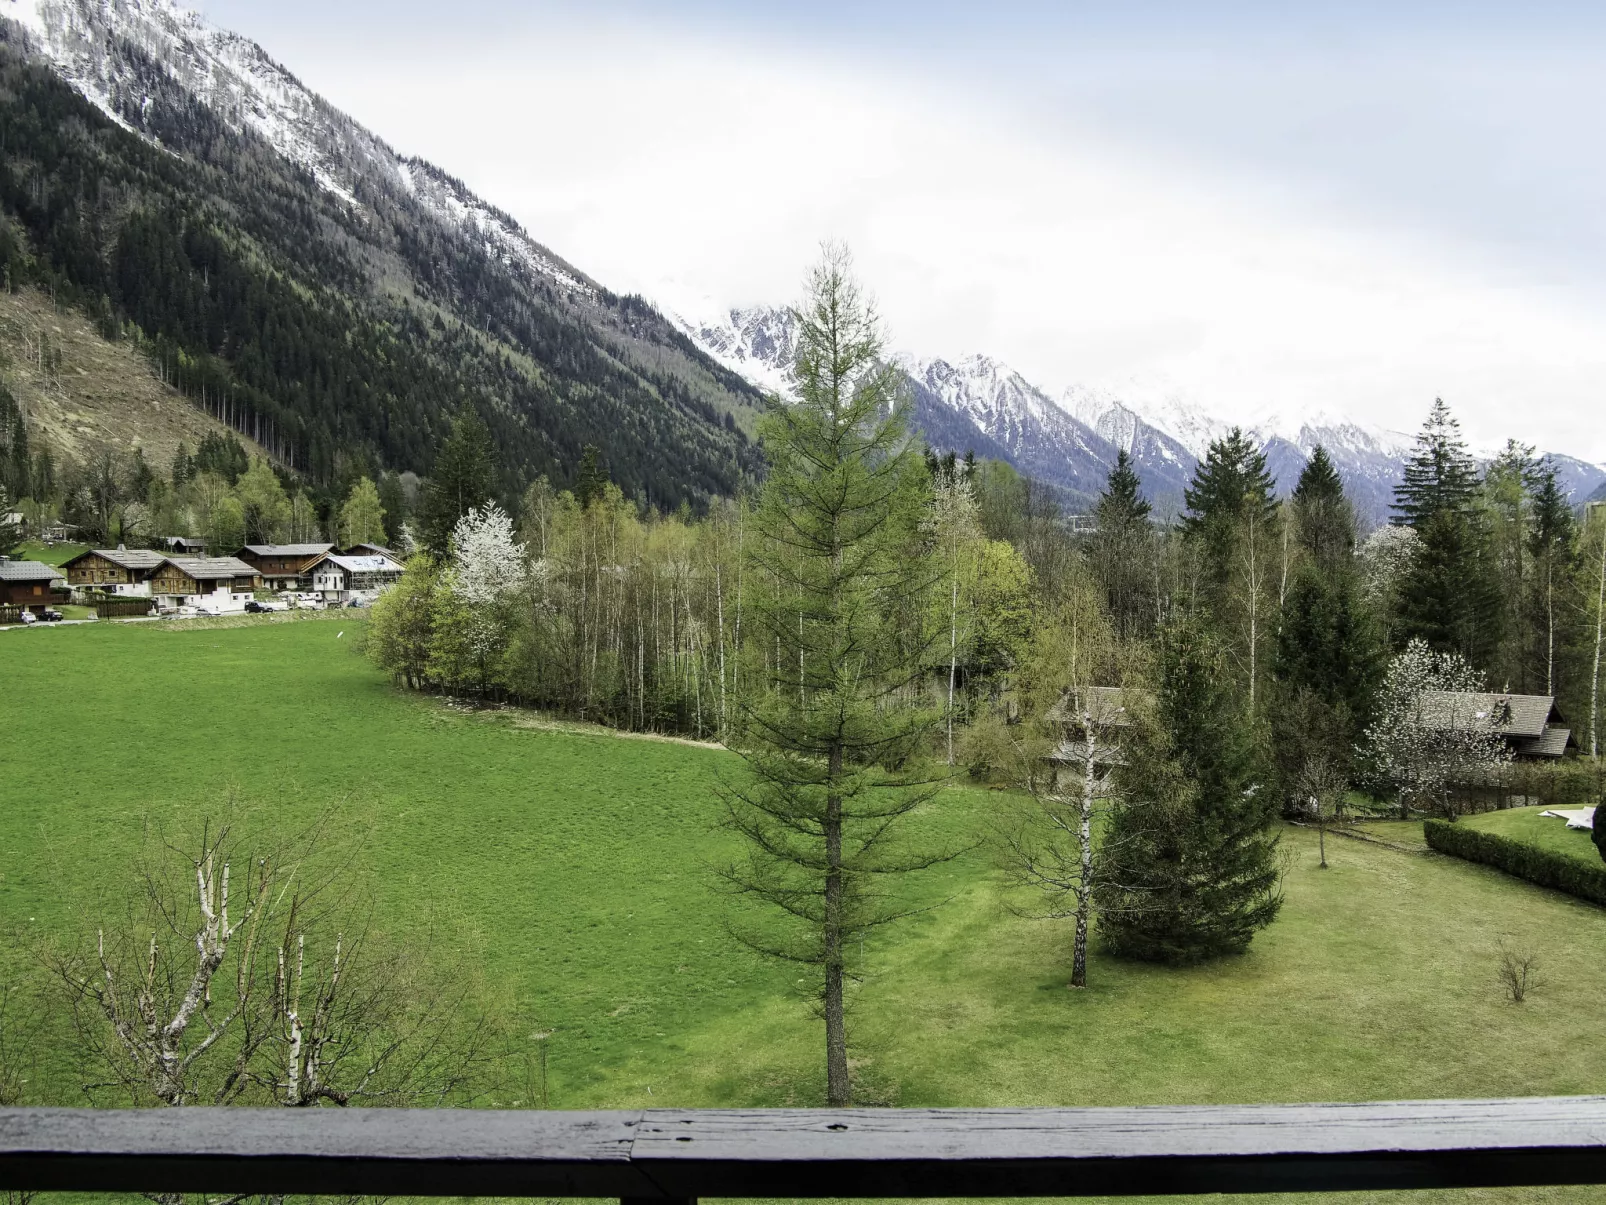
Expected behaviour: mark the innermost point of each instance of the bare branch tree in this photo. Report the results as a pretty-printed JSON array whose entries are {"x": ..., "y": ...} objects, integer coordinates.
[{"x": 1321, "y": 788}]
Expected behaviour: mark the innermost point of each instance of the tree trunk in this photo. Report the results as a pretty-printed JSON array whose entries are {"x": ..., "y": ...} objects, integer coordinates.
[
  {"x": 953, "y": 657},
  {"x": 1084, "y": 833},
  {"x": 838, "y": 1089},
  {"x": 1594, "y": 677}
]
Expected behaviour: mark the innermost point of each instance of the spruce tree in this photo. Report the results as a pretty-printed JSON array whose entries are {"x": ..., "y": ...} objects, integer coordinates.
[
  {"x": 591, "y": 478},
  {"x": 1440, "y": 475},
  {"x": 1324, "y": 519},
  {"x": 10, "y": 533},
  {"x": 464, "y": 479},
  {"x": 1230, "y": 487},
  {"x": 1552, "y": 537},
  {"x": 833, "y": 738},
  {"x": 1189, "y": 863},
  {"x": 1120, "y": 549},
  {"x": 1450, "y": 597}
]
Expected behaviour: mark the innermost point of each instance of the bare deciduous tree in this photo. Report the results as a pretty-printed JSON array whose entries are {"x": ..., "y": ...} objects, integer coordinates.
[
  {"x": 264, "y": 986},
  {"x": 1321, "y": 788},
  {"x": 1518, "y": 971}
]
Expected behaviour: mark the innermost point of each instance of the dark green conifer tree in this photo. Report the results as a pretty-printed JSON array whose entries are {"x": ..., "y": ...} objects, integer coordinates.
[
  {"x": 1323, "y": 517},
  {"x": 1451, "y": 594},
  {"x": 394, "y": 500},
  {"x": 464, "y": 479},
  {"x": 1440, "y": 475},
  {"x": 591, "y": 477},
  {"x": 1120, "y": 549},
  {"x": 1231, "y": 485},
  {"x": 1189, "y": 866},
  {"x": 1553, "y": 541}
]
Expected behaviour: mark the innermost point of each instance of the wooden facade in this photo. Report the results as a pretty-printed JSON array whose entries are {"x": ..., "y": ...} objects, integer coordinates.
[
  {"x": 107, "y": 569},
  {"x": 185, "y": 577},
  {"x": 284, "y": 566},
  {"x": 29, "y": 585}
]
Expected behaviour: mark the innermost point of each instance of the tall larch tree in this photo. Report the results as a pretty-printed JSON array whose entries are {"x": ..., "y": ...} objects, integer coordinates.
[
  {"x": 833, "y": 741},
  {"x": 463, "y": 479}
]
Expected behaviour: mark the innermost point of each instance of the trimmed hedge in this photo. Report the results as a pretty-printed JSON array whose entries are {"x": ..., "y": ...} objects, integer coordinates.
[{"x": 1518, "y": 858}]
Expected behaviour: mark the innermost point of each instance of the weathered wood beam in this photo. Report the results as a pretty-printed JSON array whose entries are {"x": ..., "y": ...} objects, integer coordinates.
[{"x": 666, "y": 1154}]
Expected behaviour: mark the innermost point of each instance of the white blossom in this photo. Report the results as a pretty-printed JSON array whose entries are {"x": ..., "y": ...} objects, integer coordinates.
[
  {"x": 1435, "y": 727},
  {"x": 489, "y": 562}
]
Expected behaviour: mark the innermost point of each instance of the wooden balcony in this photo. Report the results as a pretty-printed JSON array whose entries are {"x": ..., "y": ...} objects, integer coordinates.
[{"x": 673, "y": 1154}]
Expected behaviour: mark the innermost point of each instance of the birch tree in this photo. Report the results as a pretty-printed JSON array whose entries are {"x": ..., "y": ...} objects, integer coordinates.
[
  {"x": 247, "y": 976},
  {"x": 956, "y": 528},
  {"x": 832, "y": 736},
  {"x": 1063, "y": 758}
]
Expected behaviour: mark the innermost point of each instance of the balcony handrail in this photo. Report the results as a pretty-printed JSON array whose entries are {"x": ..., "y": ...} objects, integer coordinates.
[{"x": 684, "y": 1154}]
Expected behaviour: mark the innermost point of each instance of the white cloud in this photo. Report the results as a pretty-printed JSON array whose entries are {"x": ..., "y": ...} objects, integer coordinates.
[{"x": 677, "y": 166}]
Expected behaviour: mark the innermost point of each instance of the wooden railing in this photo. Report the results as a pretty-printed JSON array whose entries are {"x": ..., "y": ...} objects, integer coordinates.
[{"x": 670, "y": 1154}]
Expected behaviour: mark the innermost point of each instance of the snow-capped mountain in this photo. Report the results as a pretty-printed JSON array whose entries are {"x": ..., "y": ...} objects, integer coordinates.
[
  {"x": 235, "y": 78},
  {"x": 977, "y": 403},
  {"x": 408, "y": 296}
]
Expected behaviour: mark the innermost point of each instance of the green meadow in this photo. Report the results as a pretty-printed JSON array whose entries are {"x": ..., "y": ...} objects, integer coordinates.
[
  {"x": 1529, "y": 825},
  {"x": 573, "y": 870}
]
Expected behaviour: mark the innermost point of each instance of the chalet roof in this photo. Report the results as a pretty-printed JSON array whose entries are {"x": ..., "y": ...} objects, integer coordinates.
[
  {"x": 27, "y": 571},
  {"x": 287, "y": 549},
  {"x": 1510, "y": 715},
  {"x": 1552, "y": 742},
  {"x": 372, "y": 550},
  {"x": 1107, "y": 705},
  {"x": 362, "y": 564},
  {"x": 211, "y": 568},
  {"x": 136, "y": 560}
]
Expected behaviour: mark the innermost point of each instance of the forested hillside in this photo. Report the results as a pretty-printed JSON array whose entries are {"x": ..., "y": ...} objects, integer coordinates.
[{"x": 330, "y": 327}]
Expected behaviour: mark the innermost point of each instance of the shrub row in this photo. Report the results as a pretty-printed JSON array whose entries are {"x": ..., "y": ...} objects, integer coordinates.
[{"x": 1519, "y": 858}]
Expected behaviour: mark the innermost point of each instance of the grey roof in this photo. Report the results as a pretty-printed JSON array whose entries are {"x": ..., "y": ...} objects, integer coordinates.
[
  {"x": 28, "y": 571},
  {"x": 1552, "y": 742},
  {"x": 210, "y": 568},
  {"x": 374, "y": 550},
  {"x": 1510, "y": 715},
  {"x": 128, "y": 558},
  {"x": 363, "y": 564},
  {"x": 287, "y": 549},
  {"x": 1106, "y": 704}
]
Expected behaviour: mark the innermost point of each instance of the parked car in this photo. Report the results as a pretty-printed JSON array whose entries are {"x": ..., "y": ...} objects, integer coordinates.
[
  {"x": 51, "y": 615},
  {"x": 257, "y": 608},
  {"x": 29, "y": 617}
]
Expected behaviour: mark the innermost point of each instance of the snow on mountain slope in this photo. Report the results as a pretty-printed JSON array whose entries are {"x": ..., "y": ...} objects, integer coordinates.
[
  {"x": 237, "y": 79},
  {"x": 755, "y": 342}
]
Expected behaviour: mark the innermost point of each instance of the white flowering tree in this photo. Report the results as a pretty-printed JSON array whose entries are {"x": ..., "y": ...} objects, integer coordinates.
[
  {"x": 1435, "y": 727},
  {"x": 490, "y": 563}
]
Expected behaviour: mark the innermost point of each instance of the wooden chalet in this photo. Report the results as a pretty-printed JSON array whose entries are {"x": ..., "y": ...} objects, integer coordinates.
[
  {"x": 190, "y": 581},
  {"x": 1104, "y": 708},
  {"x": 183, "y": 545},
  {"x": 1531, "y": 725},
  {"x": 340, "y": 578},
  {"x": 284, "y": 566},
  {"x": 29, "y": 585},
  {"x": 113, "y": 570},
  {"x": 373, "y": 550}
]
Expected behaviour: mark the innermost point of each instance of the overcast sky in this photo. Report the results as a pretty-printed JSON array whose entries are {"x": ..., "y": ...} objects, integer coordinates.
[{"x": 1262, "y": 210}]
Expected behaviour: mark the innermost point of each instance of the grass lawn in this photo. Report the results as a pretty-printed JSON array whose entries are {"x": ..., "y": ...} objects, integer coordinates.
[
  {"x": 47, "y": 554},
  {"x": 575, "y": 869},
  {"x": 1547, "y": 832}
]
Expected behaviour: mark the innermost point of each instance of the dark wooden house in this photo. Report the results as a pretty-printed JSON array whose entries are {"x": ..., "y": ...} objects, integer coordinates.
[
  {"x": 29, "y": 585},
  {"x": 113, "y": 570},
  {"x": 284, "y": 566}
]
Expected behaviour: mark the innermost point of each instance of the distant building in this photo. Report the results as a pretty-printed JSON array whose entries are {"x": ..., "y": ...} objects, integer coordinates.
[
  {"x": 372, "y": 550},
  {"x": 30, "y": 585},
  {"x": 339, "y": 578},
  {"x": 183, "y": 545},
  {"x": 1104, "y": 708},
  {"x": 118, "y": 571},
  {"x": 1531, "y": 725},
  {"x": 284, "y": 566},
  {"x": 218, "y": 583}
]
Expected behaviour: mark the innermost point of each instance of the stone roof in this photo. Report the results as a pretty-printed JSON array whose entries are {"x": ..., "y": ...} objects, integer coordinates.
[
  {"x": 27, "y": 571},
  {"x": 211, "y": 568},
  {"x": 1509, "y": 715},
  {"x": 135, "y": 560},
  {"x": 1552, "y": 742},
  {"x": 1106, "y": 704},
  {"x": 287, "y": 549}
]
